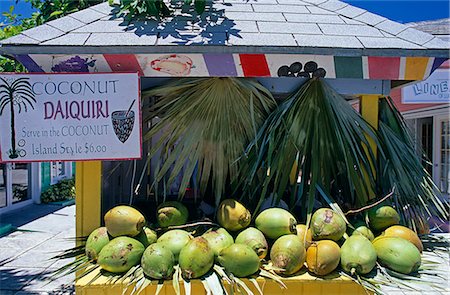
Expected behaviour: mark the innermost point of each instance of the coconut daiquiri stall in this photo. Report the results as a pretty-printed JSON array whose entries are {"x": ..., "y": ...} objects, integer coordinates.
[{"x": 252, "y": 148}]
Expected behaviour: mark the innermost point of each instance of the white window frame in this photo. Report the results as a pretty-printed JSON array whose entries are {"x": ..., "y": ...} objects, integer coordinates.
[
  {"x": 437, "y": 124},
  {"x": 9, "y": 192},
  {"x": 67, "y": 171}
]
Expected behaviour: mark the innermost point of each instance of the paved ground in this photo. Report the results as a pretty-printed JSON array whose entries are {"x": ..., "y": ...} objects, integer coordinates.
[{"x": 43, "y": 231}]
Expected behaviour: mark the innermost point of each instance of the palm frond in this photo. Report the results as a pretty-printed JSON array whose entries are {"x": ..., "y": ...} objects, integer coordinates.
[
  {"x": 5, "y": 84},
  {"x": 4, "y": 95},
  {"x": 317, "y": 132},
  {"x": 70, "y": 253},
  {"x": 25, "y": 89},
  {"x": 3, "y": 104},
  {"x": 205, "y": 126},
  {"x": 26, "y": 94},
  {"x": 20, "y": 82},
  {"x": 417, "y": 197}
]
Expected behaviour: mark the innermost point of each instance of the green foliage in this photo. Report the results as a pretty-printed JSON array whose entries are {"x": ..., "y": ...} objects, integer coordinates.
[
  {"x": 10, "y": 65},
  {"x": 416, "y": 195},
  {"x": 47, "y": 10},
  {"x": 135, "y": 9},
  {"x": 20, "y": 192},
  {"x": 143, "y": 8},
  {"x": 63, "y": 190},
  {"x": 53, "y": 9},
  {"x": 13, "y": 26}
]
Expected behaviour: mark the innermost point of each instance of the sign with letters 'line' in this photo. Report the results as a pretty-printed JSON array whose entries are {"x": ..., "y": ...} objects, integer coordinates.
[
  {"x": 435, "y": 89},
  {"x": 69, "y": 117}
]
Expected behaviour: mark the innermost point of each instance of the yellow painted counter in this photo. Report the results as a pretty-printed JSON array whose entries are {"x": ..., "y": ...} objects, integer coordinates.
[{"x": 301, "y": 284}]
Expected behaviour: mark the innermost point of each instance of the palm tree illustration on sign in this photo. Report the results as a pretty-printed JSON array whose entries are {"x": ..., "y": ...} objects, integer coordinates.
[{"x": 16, "y": 93}]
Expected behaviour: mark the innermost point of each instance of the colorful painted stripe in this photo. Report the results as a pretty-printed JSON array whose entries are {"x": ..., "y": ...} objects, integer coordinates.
[
  {"x": 348, "y": 67},
  {"x": 238, "y": 65},
  {"x": 220, "y": 65},
  {"x": 415, "y": 68},
  {"x": 123, "y": 63},
  {"x": 439, "y": 62},
  {"x": 254, "y": 65},
  {"x": 384, "y": 68},
  {"x": 28, "y": 63}
]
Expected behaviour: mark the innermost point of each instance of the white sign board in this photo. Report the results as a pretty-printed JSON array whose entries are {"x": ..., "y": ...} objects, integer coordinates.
[
  {"x": 69, "y": 117},
  {"x": 435, "y": 89}
]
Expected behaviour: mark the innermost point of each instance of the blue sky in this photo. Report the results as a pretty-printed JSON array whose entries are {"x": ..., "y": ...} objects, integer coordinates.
[
  {"x": 405, "y": 11},
  {"x": 401, "y": 10}
]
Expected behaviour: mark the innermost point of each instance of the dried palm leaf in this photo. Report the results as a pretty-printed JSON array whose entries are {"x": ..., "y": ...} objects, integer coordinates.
[{"x": 205, "y": 126}]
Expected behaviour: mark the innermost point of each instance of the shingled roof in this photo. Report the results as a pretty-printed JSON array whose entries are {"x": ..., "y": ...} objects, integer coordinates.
[
  {"x": 439, "y": 28},
  {"x": 232, "y": 26}
]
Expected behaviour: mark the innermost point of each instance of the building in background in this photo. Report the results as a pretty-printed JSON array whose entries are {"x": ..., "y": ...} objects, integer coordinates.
[
  {"x": 22, "y": 184},
  {"x": 426, "y": 108}
]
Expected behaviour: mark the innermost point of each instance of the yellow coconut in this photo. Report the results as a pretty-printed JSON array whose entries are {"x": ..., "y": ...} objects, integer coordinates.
[
  {"x": 124, "y": 221},
  {"x": 323, "y": 257},
  {"x": 405, "y": 233},
  {"x": 232, "y": 215},
  {"x": 301, "y": 229}
]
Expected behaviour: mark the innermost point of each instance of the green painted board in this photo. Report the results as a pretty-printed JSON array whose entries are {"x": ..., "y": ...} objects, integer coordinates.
[
  {"x": 45, "y": 176},
  {"x": 348, "y": 67}
]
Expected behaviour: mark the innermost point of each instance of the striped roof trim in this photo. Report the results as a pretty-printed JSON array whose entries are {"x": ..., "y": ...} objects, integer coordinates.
[
  {"x": 234, "y": 26},
  {"x": 238, "y": 65}
]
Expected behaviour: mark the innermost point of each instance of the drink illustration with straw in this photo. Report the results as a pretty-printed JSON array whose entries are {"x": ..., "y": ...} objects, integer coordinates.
[{"x": 123, "y": 122}]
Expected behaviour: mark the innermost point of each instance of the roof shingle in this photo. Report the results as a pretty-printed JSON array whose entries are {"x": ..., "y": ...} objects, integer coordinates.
[{"x": 235, "y": 24}]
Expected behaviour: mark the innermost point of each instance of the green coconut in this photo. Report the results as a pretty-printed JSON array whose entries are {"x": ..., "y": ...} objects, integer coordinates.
[
  {"x": 403, "y": 232},
  {"x": 275, "y": 222},
  {"x": 120, "y": 254},
  {"x": 380, "y": 218},
  {"x": 365, "y": 231},
  {"x": 171, "y": 213},
  {"x": 358, "y": 255},
  {"x": 157, "y": 262},
  {"x": 240, "y": 260},
  {"x": 327, "y": 225},
  {"x": 196, "y": 258},
  {"x": 397, "y": 254},
  {"x": 218, "y": 240},
  {"x": 175, "y": 240},
  {"x": 124, "y": 221},
  {"x": 95, "y": 242},
  {"x": 147, "y": 237},
  {"x": 288, "y": 253},
  {"x": 255, "y": 239}
]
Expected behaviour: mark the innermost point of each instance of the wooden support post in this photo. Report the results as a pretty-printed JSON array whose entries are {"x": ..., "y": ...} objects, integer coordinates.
[
  {"x": 369, "y": 111},
  {"x": 88, "y": 196}
]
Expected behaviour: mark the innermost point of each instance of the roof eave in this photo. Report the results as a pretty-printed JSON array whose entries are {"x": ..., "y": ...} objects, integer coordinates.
[{"x": 7, "y": 49}]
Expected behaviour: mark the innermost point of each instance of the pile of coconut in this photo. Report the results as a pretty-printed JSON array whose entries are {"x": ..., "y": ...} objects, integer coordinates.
[{"x": 243, "y": 247}]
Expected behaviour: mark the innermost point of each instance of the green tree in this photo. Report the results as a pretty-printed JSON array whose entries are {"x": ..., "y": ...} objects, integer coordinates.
[
  {"x": 13, "y": 25},
  {"x": 47, "y": 10},
  {"x": 53, "y": 9}
]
